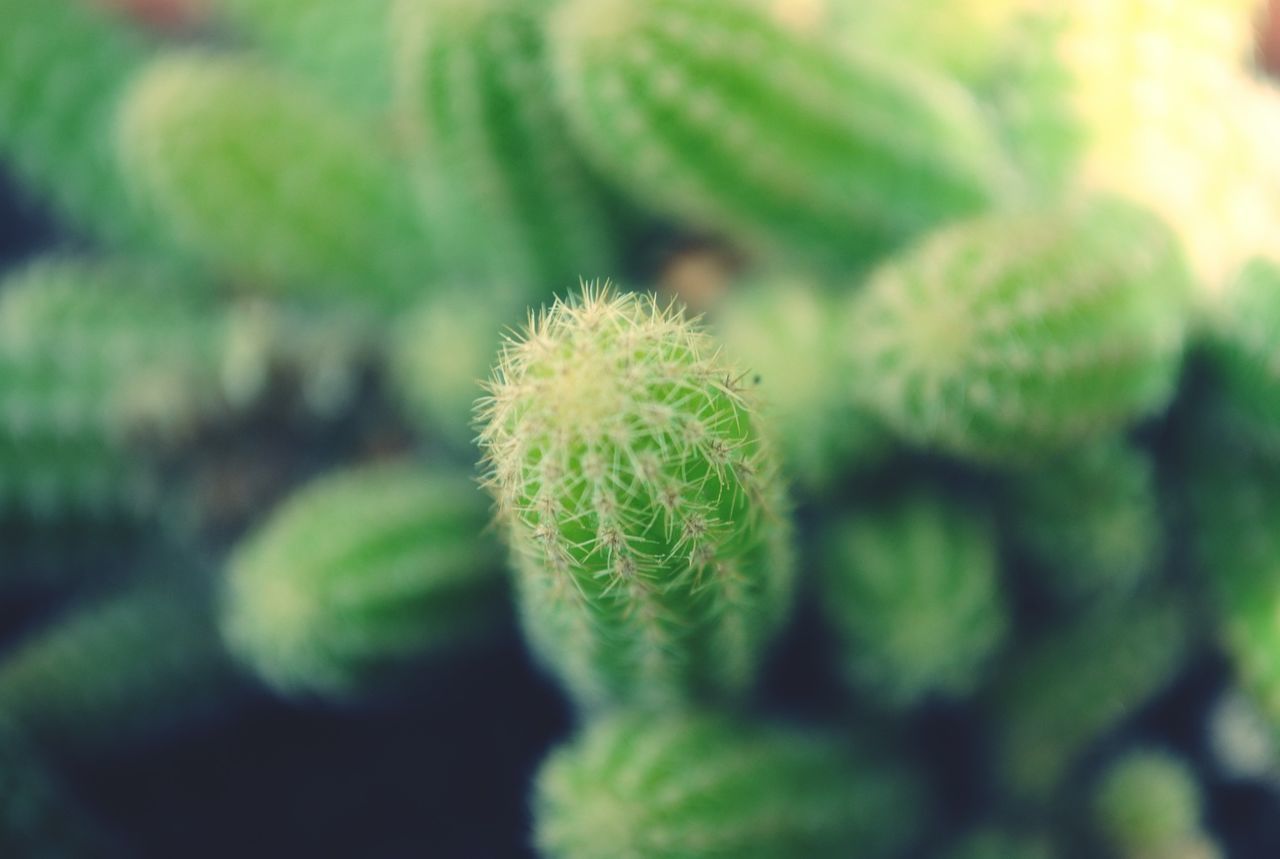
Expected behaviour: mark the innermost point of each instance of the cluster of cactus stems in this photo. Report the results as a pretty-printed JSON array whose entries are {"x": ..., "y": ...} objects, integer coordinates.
[{"x": 1003, "y": 308}]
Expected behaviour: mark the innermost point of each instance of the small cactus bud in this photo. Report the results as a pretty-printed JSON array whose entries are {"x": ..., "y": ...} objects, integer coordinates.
[
  {"x": 704, "y": 786},
  {"x": 725, "y": 114},
  {"x": 361, "y": 575},
  {"x": 474, "y": 85},
  {"x": 912, "y": 590},
  {"x": 1007, "y": 337},
  {"x": 645, "y": 515},
  {"x": 1147, "y": 806},
  {"x": 268, "y": 182}
]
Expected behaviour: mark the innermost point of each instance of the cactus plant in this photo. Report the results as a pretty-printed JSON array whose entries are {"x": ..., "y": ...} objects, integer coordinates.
[
  {"x": 722, "y": 114},
  {"x": 644, "y": 512},
  {"x": 268, "y": 182},
  {"x": 1007, "y": 337},
  {"x": 1244, "y": 352},
  {"x": 1089, "y": 521},
  {"x": 1147, "y": 806},
  {"x": 998, "y": 844},
  {"x": 359, "y": 576},
  {"x": 911, "y": 588},
  {"x": 786, "y": 331},
  {"x": 705, "y": 786},
  {"x": 473, "y": 84}
]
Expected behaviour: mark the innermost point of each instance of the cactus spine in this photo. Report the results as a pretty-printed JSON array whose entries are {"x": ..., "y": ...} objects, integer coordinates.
[
  {"x": 644, "y": 513},
  {"x": 267, "y": 181},
  {"x": 359, "y": 576},
  {"x": 474, "y": 84},
  {"x": 704, "y": 786},
  {"x": 1006, "y": 337},
  {"x": 912, "y": 590},
  {"x": 720, "y": 113}
]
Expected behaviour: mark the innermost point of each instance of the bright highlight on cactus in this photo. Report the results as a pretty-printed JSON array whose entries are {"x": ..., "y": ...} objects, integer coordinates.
[
  {"x": 723, "y": 114},
  {"x": 911, "y": 587},
  {"x": 645, "y": 515},
  {"x": 359, "y": 577},
  {"x": 1089, "y": 521},
  {"x": 474, "y": 83},
  {"x": 1006, "y": 337},
  {"x": 702, "y": 786},
  {"x": 1147, "y": 806},
  {"x": 267, "y": 182}
]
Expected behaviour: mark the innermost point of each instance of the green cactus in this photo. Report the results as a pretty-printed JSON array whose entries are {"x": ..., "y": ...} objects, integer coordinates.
[
  {"x": 1147, "y": 806},
  {"x": 1244, "y": 351},
  {"x": 474, "y": 85},
  {"x": 786, "y": 331},
  {"x": 360, "y": 576},
  {"x": 998, "y": 844},
  {"x": 268, "y": 182},
  {"x": 911, "y": 588},
  {"x": 119, "y": 672},
  {"x": 723, "y": 114},
  {"x": 1076, "y": 682},
  {"x": 704, "y": 786},
  {"x": 646, "y": 519},
  {"x": 1088, "y": 521},
  {"x": 63, "y": 66},
  {"x": 1007, "y": 337}
]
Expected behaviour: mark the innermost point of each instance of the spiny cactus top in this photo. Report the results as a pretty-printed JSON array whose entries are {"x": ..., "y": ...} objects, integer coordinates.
[
  {"x": 705, "y": 787},
  {"x": 268, "y": 182},
  {"x": 644, "y": 511},
  {"x": 474, "y": 84},
  {"x": 1245, "y": 353},
  {"x": 912, "y": 590},
  {"x": 1147, "y": 806},
  {"x": 721, "y": 112},
  {"x": 1008, "y": 336},
  {"x": 359, "y": 576}
]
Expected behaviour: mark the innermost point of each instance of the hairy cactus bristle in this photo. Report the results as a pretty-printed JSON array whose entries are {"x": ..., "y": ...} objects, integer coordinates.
[
  {"x": 701, "y": 786},
  {"x": 1089, "y": 521},
  {"x": 1007, "y": 337},
  {"x": 787, "y": 333},
  {"x": 911, "y": 588},
  {"x": 268, "y": 182},
  {"x": 719, "y": 112},
  {"x": 990, "y": 843},
  {"x": 1077, "y": 682},
  {"x": 120, "y": 672},
  {"x": 1147, "y": 805},
  {"x": 1244, "y": 353},
  {"x": 473, "y": 82},
  {"x": 645, "y": 514},
  {"x": 360, "y": 576}
]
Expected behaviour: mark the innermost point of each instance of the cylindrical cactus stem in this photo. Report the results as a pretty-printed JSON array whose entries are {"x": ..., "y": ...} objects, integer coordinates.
[
  {"x": 120, "y": 671},
  {"x": 63, "y": 66},
  {"x": 473, "y": 83},
  {"x": 644, "y": 512},
  {"x": 1010, "y": 336},
  {"x": 912, "y": 590},
  {"x": 700, "y": 785},
  {"x": 1244, "y": 353},
  {"x": 1076, "y": 683},
  {"x": 721, "y": 113},
  {"x": 1147, "y": 805},
  {"x": 787, "y": 331},
  {"x": 270, "y": 183},
  {"x": 1089, "y": 521},
  {"x": 362, "y": 575}
]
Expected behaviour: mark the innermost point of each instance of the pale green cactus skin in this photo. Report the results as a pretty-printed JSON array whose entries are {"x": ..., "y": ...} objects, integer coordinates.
[
  {"x": 63, "y": 66},
  {"x": 1077, "y": 682},
  {"x": 701, "y": 786},
  {"x": 1089, "y": 521},
  {"x": 362, "y": 575},
  {"x": 999, "y": 844},
  {"x": 726, "y": 115},
  {"x": 120, "y": 672},
  {"x": 645, "y": 515},
  {"x": 1010, "y": 336},
  {"x": 268, "y": 182},
  {"x": 1147, "y": 805},
  {"x": 338, "y": 46},
  {"x": 1244, "y": 351},
  {"x": 473, "y": 83},
  {"x": 787, "y": 332},
  {"x": 911, "y": 588}
]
